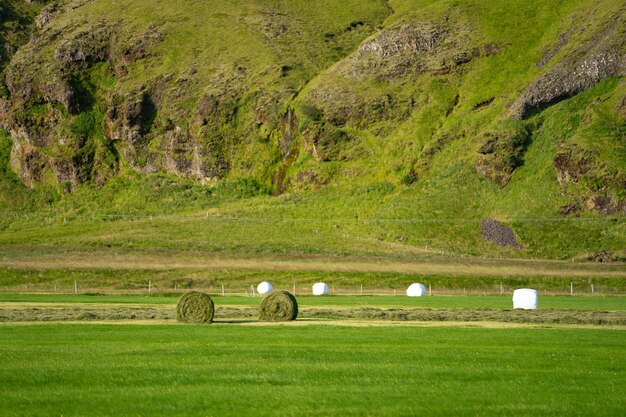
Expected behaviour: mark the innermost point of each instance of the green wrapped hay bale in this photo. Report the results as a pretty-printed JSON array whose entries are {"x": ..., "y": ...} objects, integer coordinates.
[
  {"x": 279, "y": 306},
  {"x": 195, "y": 307}
]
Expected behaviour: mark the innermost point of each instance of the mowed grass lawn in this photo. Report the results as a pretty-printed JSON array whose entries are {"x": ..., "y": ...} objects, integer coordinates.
[{"x": 235, "y": 370}]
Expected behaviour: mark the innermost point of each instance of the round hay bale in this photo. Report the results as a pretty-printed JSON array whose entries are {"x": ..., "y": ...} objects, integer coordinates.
[
  {"x": 195, "y": 307},
  {"x": 416, "y": 290},
  {"x": 525, "y": 298},
  {"x": 278, "y": 306},
  {"x": 264, "y": 287},
  {"x": 320, "y": 288}
]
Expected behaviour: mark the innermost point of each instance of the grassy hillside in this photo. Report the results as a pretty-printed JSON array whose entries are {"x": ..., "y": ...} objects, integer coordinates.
[{"x": 352, "y": 128}]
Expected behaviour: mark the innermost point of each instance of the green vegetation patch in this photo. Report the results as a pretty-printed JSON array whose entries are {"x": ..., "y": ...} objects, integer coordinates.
[
  {"x": 208, "y": 110},
  {"x": 322, "y": 370}
]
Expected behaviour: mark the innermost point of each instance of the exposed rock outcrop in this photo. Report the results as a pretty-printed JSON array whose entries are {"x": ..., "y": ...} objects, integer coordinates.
[
  {"x": 27, "y": 160},
  {"x": 393, "y": 56},
  {"x": 50, "y": 138},
  {"x": 577, "y": 166},
  {"x": 606, "y": 204},
  {"x": 47, "y": 14},
  {"x": 370, "y": 86},
  {"x": 47, "y": 94},
  {"x": 602, "y": 257},
  {"x": 602, "y": 56},
  {"x": 501, "y": 152},
  {"x": 89, "y": 96},
  {"x": 572, "y": 166}
]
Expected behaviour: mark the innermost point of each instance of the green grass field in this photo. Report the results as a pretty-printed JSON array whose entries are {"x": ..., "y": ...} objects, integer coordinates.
[
  {"x": 400, "y": 301},
  {"x": 391, "y": 195},
  {"x": 43, "y": 268},
  {"x": 227, "y": 370},
  {"x": 466, "y": 310}
]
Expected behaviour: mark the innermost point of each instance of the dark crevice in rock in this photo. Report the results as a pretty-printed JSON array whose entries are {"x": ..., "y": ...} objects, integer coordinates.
[
  {"x": 549, "y": 54},
  {"x": 455, "y": 103},
  {"x": 146, "y": 115},
  {"x": 570, "y": 209},
  {"x": 483, "y": 103}
]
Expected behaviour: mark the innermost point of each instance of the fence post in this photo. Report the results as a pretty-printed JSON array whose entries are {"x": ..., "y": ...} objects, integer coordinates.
[
  {"x": 149, "y": 287},
  {"x": 75, "y": 287},
  {"x": 501, "y": 288},
  {"x": 430, "y": 290},
  {"x": 361, "y": 289},
  {"x": 571, "y": 288},
  {"x": 223, "y": 291},
  {"x": 592, "y": 291}
]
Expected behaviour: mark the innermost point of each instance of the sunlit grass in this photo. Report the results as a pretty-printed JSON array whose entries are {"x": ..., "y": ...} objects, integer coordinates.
[{"x": 278, "y": 371}]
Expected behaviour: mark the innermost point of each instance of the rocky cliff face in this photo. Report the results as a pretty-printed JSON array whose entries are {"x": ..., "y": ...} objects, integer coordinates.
[
  {"x": 576, "y": 166},
  {"x": 92, "y": 95},
  {"x": 601, "y": 55},
  {"x": 71, "y": 123}
]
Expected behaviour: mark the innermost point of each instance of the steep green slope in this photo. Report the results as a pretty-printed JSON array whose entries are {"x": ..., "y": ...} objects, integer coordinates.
[
  {"x": 199, "y": 91},
  {"x": 16, "y": 21},
  {"x": 384, "y": 127}
]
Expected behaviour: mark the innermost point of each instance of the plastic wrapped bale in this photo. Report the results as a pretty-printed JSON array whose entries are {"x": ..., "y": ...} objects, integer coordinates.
[
  {"x": 195, "y": 307},
  {"x": 320, "y": 288},
  {"x": 264, "y": 287},
  {"x": 278, "y": 306},
  {"x": 416, "y": 290},
  {"x": 525, "y": 298}
]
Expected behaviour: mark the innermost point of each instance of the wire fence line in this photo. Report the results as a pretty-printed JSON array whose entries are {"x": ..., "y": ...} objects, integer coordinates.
[
  {"x": 94, "y": 216},
  {"x": 299, "y": 289}
]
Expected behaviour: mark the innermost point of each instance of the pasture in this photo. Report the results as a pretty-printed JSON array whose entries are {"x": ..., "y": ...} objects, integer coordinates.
[
  {"x": 113, "y": 348},
  {"x": 239, "y": 370}
]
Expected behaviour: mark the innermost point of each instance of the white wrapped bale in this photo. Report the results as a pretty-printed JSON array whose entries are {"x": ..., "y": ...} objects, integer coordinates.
[
  {"x": 525, "y": 298},
  {"x": 264, "y": 287},
  {"x": 320, "y": 288},
  {"x": 416, "y": 290}
]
